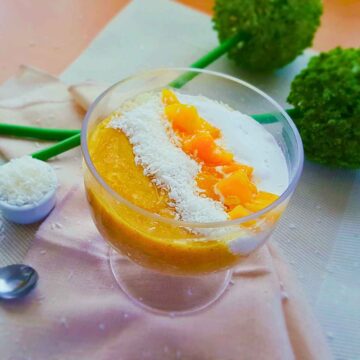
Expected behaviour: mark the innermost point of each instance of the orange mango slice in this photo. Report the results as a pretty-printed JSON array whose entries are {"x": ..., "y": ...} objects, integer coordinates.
[
  {"x": 228, "y": 169},
  {"x": 236, "y": 189},
  {"x": 203, "y": 147},
  {"x": 211, "y": 129},
  {"x": 261, "y": 201},
  {"x": 238, "y": 212},
  {"x": 184, "y": 118},
  {"x": 213, "y": 170},
  {"x": 206, "y": 181},
  {"x": 168, "y": 97}
]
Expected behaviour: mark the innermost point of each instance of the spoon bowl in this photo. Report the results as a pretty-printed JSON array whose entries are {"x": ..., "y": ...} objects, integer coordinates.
[{"x": 16, "y": 281}]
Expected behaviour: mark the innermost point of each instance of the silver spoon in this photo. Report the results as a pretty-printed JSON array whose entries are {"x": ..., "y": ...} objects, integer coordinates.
[{"x": 17, "y": 281}]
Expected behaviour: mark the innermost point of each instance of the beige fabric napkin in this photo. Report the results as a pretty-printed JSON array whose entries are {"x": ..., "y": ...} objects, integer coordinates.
[
  {"x": 36, "y": 98},
  {"x": 33, "y": 97},
  {"x": 78, "y": 312}
]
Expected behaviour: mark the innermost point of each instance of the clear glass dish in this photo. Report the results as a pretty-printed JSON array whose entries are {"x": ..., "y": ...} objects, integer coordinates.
[{"x": 162, "y": 264}]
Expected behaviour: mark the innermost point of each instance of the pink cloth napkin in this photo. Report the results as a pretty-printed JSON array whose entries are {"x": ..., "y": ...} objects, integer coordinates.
[{"x": 78, "y": 311}]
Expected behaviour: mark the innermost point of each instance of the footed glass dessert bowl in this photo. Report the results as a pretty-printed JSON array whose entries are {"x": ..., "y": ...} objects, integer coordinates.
[{"x": 184, "y": 183}]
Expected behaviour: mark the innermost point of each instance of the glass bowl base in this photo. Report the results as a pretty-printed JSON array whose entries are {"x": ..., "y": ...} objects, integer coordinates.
[{"x": 167, "y": 294}]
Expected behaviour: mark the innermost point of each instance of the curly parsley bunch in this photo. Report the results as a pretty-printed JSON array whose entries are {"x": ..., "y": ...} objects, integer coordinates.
[{"x": 327, "y": 95}]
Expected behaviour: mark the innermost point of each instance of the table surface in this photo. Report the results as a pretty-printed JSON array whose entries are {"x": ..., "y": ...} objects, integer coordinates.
[
  {"x": 325, "y": 201},
  {"x": 51, "y": 34}
]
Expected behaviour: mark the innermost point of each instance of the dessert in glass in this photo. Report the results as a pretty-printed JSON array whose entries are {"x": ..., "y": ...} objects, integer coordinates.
[{"x": 184, "y": 183}]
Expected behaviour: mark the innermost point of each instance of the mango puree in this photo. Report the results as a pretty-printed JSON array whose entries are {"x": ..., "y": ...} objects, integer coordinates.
[{"x": 150, "y": 243}]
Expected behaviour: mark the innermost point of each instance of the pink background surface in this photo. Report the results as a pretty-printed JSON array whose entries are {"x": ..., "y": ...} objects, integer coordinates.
[{"x": 51, "y": 34}]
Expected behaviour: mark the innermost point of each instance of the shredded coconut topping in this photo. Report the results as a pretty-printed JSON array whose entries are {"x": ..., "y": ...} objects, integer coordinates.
[{"x": 155, "y": 149}]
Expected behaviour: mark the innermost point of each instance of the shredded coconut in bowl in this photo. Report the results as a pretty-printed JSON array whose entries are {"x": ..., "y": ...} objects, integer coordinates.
[{"x": 25, "y": 181}]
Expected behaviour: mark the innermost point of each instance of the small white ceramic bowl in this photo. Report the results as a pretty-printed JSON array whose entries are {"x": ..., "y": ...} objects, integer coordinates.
[{"x": 28, "y": 214}]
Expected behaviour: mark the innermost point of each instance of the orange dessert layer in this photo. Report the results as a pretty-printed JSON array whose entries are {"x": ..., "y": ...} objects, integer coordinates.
[
  {"x": 150, "y": 243},
  {"x": 156, "y": 244}
]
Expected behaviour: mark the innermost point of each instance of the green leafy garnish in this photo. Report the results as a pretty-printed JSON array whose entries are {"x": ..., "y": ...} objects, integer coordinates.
[
  {"x": 327, "y": 93},
  {"x": 278, "y": 30}
]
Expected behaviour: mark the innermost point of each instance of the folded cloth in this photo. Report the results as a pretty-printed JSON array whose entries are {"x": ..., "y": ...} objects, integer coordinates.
[
  {"x": 78, "y": 311},
  {"x": 36, "y": 98}
]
